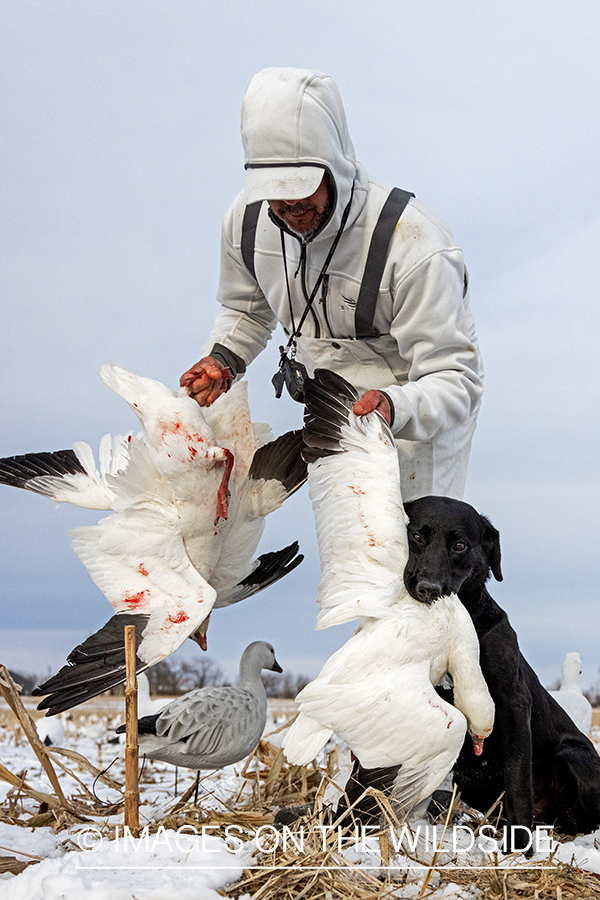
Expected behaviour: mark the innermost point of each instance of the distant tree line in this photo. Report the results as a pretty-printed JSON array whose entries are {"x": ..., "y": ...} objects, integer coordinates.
[
  {"x": 286, "y": 686},
  {"x": 593, "y": 695},
  {"x": 26, "y": 682},
  {"x": 174, "y": 678},
  {"x": 177, "y": 678}
]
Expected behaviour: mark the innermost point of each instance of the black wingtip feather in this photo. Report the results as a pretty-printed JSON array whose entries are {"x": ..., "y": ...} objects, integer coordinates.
[
  {"x": 93, "y": 667},
  {"x": 281, "y": 459},
  {"x": 273, "y": 566},
  {"x": 270, "y": 569},
  {"x": 18, "y": 471},
  {"x": 145, "y": 725},
  {"x": 336, "y": 384},
  {"x": 328, "y": 399}
]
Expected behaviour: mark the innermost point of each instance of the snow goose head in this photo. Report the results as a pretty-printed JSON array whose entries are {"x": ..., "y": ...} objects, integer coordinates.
[{"x": 570, "y": 671}]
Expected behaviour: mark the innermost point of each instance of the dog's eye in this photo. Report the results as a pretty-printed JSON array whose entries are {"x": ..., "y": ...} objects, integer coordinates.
[
  {"x": 459, "y": 546},
  {"x": 416, "y": 537}
]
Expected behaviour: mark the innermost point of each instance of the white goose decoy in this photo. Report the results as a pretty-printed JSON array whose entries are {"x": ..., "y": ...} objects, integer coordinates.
[
  {"x": 570, "y": 696},
  {"x": 51, "y": 731},
  {"x": 377, "y": 692},
  {"x": 145, "y": 704},
  {"x": 189, "y": 496},
  {"x": 212, "y": 727}
]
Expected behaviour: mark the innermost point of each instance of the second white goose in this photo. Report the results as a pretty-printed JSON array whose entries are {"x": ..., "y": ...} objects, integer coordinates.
[{"x": 377, "y": 691}]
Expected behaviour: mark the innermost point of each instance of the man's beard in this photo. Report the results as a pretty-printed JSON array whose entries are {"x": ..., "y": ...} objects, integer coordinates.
[{"x": 320, "y": 222}]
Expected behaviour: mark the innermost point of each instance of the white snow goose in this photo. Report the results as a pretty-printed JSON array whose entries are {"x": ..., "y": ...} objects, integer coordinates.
[
  {"x": 212, "y": 727},
  {"x": 570, "y": 695},
  {"x": 189, "y": 496},
  {"x": 377, "y": 691}
]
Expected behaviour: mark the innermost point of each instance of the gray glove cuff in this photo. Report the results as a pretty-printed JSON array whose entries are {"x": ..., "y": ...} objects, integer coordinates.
[{"x": 235, "y": 363}]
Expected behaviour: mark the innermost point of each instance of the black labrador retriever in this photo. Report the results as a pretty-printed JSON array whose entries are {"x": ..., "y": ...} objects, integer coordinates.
[{"x": 549, "y": 771}]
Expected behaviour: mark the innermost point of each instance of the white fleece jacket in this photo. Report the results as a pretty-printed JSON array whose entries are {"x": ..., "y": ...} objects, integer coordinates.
[{"x": 426, "y": 357}]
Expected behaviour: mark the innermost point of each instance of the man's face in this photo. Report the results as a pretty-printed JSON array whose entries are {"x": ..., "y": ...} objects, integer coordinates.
[{"x": 306, "y": 216}]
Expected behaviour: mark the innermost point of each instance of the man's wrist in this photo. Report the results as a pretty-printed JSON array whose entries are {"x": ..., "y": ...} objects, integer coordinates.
[{"x": 228, "y": 358}]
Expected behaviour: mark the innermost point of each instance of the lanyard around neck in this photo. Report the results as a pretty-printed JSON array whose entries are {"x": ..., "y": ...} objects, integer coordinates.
[{"x": 296, "y": 332}]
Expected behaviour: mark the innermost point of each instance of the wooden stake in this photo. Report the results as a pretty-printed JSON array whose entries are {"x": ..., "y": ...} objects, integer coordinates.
[{"x": 132, "y": 790}]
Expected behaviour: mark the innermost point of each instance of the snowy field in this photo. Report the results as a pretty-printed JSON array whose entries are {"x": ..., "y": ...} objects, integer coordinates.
[{"x": 222, "y": 846}]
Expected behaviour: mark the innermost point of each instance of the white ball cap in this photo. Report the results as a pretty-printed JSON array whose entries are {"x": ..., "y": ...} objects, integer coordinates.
[{"x": 281, "y": 182}]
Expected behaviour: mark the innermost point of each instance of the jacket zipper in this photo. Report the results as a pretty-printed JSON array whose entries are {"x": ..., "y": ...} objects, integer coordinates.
[
  {"x": 323, "y": 302},
  {"x": 305, "y": 289}
]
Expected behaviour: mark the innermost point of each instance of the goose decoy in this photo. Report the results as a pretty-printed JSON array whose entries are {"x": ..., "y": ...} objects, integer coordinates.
[
  {"x": 145, "y": 704},
  {"x": 377, "y": 692},
  {"x": 570, "y": 695},
  {"x": 215, "y": 726},
  {"x": 188, "y": 496},
  {"x": 51, "y": 731}
]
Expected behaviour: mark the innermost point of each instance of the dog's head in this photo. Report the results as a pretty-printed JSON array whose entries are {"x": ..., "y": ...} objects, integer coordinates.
[{"x": 452, "y": 549}]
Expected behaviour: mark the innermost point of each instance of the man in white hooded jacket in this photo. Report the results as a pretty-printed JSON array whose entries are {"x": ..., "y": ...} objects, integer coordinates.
[{"x": 391, "y": 317}]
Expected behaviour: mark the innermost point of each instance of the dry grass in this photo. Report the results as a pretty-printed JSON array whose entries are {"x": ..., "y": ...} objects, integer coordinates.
[
  {"x": 318, "y": 872},
  {"x": 560, "y": 883}
]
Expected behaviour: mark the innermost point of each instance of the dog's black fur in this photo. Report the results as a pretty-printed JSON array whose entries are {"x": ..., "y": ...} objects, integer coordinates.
[{"x": 549, "y": 771}]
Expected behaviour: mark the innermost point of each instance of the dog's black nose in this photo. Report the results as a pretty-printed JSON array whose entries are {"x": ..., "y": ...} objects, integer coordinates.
[{"x": 428, "y": 591}]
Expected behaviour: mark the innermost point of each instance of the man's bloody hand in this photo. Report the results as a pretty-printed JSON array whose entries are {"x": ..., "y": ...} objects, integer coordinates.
[
  {"x": 206, "y": 380},
  {"x": 373, "y": 400}
]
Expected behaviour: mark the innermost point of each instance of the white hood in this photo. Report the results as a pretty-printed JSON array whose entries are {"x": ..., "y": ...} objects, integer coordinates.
[{"x": 295, "y": 118}]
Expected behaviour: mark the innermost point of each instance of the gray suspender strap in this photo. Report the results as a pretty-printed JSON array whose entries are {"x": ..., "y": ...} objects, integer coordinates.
[
  {"x": 376, "y": 258},
  {"x": 249, "y": 223}
]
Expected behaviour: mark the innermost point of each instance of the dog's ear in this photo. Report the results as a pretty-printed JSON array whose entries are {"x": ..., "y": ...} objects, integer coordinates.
[{"x": 491, "y": 542}]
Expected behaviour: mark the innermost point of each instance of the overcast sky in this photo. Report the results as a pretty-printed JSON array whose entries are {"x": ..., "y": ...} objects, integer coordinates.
[{"x": 120, "y": 155}]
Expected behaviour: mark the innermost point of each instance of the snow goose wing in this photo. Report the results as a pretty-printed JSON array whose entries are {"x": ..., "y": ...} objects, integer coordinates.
[
  {"x": 354, "y": 486},
  {"x": 189, "y": 496},
  {"x": 68, "y": 476},
  {"x": 377, "y": 691},
  {"x": 216, "y": 726},
  {"x": 140, "y": 564}
]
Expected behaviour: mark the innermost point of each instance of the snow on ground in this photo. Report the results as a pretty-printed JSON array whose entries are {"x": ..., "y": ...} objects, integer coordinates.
[
  {"x": 86, "y": 861},
  {"x": 170, "y": 866}
]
